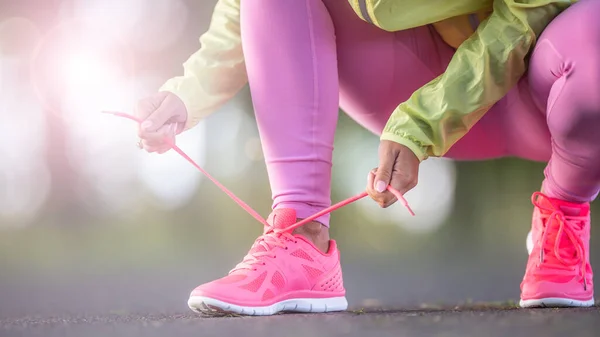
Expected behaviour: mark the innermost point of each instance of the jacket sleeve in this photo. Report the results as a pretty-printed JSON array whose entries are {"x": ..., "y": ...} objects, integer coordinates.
[
  {"x": 483, "y": 70},
  {"x": 216, "y": 72}
]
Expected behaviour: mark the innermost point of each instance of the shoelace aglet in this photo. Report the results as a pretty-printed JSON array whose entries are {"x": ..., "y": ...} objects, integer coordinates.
[
  {"x": 401, "y": 198},
  {"x": 121, "y": 114},
  {"x": 398, "y": 196}
]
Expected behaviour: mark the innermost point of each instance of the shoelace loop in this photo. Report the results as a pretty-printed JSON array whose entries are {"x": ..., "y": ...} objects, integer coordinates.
[{"x": 567, "y": 227}]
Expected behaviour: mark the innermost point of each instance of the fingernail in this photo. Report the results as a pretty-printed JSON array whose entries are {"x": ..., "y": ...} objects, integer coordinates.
[
  {"x": 146, "y": 125},
  {"x": 380, "y": 186}
]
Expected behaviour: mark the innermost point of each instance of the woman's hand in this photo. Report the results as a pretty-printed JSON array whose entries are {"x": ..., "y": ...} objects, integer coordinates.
[
  {"x": 163, "y": 115},
  {"x": 398, "y": 167}
]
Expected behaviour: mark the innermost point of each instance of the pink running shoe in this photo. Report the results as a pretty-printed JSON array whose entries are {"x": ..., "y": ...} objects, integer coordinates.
[
  {"x": 558, "y": 271},
  {"x": 282, "y": 272}
]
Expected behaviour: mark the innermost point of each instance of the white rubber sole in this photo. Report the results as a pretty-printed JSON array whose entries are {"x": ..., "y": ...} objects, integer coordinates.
[
  {"x": 203, "y": 304},
  {"x": 554, "y": 302}
]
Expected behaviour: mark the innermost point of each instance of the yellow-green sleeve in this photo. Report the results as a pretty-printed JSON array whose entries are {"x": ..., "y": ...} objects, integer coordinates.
[
  {"x": 216, "y": 72},
  {"x": 485, "y": 67}
]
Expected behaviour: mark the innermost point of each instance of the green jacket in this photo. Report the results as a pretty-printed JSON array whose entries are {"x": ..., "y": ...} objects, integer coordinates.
[{"x": 488, "y": 62}]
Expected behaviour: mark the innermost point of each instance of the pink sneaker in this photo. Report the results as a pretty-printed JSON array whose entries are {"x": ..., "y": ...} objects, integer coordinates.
[
  {"x": 282, "y": 272},
  {"x": 558, "y": 271}
]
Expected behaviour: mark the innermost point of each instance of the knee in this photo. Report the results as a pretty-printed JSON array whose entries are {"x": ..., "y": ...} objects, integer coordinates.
[
  {"x": 573, "y": 107},
  {"x": 582, "y": 127},
  {"x": 575, "y": 118}
]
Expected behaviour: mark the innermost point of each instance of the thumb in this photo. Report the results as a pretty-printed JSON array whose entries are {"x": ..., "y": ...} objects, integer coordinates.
[
  {"x": 383, "y": 176},
  {"x": 146, "y": 106},
  {"x": 158, "y": 117}
]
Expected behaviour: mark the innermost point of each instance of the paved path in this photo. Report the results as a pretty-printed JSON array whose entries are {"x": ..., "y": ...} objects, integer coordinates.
[{"x": 444, "y": 322}]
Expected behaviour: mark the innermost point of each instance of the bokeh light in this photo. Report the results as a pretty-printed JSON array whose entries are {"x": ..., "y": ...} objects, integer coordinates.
[
  {"x": 73, "y": 56},
  {"x": 170, "y": 178},
  {"x": 234, "y": 127},
  {"x": 162, "y": 22},
  {"x": 146, "y": 25},
  {"x": 84, "y": 64},
  {"x": 253, "y": 149},
  {"x": 23, "y": 173},
  {"x": 18, "y": 37},
  {"x": 432, "y": 200},
  {"x": 115, "y": 17}
]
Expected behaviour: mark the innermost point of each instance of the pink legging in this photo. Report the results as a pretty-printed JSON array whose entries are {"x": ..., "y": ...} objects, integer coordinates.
[{"x": 306, "y": 58}]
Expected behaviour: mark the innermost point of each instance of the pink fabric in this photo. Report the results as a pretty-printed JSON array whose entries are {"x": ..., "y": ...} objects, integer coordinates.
[{"x": 305, "y": 58}]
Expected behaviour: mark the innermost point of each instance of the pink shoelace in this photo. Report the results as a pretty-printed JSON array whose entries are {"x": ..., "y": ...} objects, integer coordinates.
[
  {"x": 263, "y": 247},
  {"x": 249, "y": 209},
  {"x": 567, "y": 227}
]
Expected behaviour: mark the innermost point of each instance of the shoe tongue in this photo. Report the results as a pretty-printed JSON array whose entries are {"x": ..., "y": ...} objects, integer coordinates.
[
  {"x": 282, "y": 218},
  {"x": 279, "y": 219},
  {"x": 569, "y": 208},
  {"x": 574, "y": 211}
]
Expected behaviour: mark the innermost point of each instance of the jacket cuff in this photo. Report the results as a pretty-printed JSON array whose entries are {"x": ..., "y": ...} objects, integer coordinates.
[{"x": 407, "y": 140}]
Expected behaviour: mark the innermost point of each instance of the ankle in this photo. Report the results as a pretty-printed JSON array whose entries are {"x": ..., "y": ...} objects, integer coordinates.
[{"x": 317, "y": 233}]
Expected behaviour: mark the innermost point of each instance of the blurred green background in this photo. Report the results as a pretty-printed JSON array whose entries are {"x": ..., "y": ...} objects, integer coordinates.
[{"x": 88, "y": 223}]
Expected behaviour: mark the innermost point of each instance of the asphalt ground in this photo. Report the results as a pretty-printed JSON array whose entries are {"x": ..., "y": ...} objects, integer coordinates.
[{"x": 493, "y": 320}]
